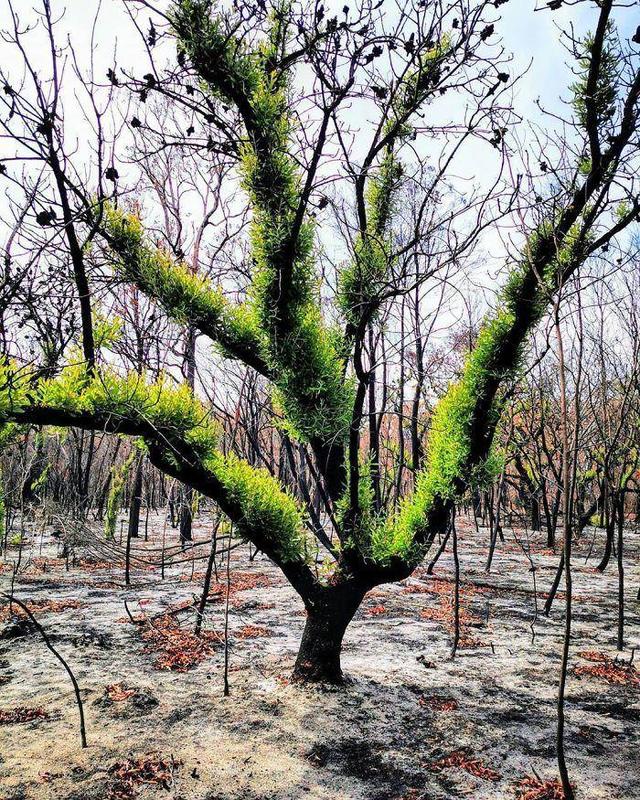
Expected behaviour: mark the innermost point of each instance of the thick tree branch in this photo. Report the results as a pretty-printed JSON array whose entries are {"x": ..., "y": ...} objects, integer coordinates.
[
  {"x": 590, "y": 101},
  {"x": 180, "y": 441},
  {"x": 185, "y": 297}
]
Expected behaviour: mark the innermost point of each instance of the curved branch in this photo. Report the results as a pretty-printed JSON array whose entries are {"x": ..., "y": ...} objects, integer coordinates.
[{"x": 181, "y": 442}]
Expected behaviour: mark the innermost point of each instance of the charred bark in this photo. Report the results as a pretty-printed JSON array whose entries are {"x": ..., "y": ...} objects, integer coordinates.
[
  {"x": 133, "y": 530},
  {"x": 328, "y": 616}
]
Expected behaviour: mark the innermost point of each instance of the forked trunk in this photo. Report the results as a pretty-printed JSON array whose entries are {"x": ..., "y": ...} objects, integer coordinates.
[{"x": 327, "y": 620}]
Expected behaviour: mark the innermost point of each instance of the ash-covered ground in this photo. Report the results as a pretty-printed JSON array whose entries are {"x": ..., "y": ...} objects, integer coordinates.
[{"x": 412, "y": 723}]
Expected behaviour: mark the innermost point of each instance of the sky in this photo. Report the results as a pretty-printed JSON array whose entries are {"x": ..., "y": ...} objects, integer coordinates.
[
  {"x": 527, "y": 29},
  {"x": 530, "y": 34}
]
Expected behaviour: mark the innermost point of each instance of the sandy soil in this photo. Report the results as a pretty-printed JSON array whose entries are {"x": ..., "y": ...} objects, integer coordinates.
[{"x": 407, "y": 707}]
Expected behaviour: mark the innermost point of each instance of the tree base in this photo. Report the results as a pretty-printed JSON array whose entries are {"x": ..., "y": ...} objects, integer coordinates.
[
  {"x": 308, "y": 673},
  {"x": 327, "y": 620}
]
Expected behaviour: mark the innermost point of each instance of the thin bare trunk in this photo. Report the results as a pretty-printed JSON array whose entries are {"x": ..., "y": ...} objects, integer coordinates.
[{"x": 567, "y": 483}]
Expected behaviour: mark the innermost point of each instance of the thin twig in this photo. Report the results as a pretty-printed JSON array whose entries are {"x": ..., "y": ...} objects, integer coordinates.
[{"x": 41, "y": 631}]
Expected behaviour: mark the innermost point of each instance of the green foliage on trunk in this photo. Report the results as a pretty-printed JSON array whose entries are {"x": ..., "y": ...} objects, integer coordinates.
[
  {"x": 304, "y": 355},
  {"x": 606, "y": 86},
  {"x": 170, "y": 408},
  {"x": 415, "y": 86},
  {"x": 450, "y": 464},
  {"x": 264, "y": 506},
  {"x": 362, "y": 282},
  {"x": 185, "y": 296},
  {"x": 361, "y": 524},
  {"x": 173, "y": 416},
  {"x": 119, "y": 477}
]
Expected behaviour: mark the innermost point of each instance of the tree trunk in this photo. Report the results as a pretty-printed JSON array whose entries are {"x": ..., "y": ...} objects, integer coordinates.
[
  {"x": 610, "y": 523},
  {"x": 536, "y": 521},
  {"x": 36, "y": 468},
  {"x": 553, "y": 523},
  {"x": 554, "y": 586},
  {"x": 584, "y": 517},
  {"x": 477, "y": 503},
  {"x": 327, "y": 619},
  {"x": 136, "y": 500},
  {"x": 620, "y": 555},
  {"x": 186, "y": 515}
]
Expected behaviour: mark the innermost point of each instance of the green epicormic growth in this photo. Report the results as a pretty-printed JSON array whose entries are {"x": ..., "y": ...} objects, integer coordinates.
[
  {"x": 157, "y": 405},
  {"x": 361, "y": 283},
  {"x": 463, "y": 421},
  {"x": 171, "y": 418},
  {"x": 119, "y": 477},
  {"x": 415, "y": 87},
  {"x": 304, "y": 356},
  {"x": 186, "y": 296},
  {"x": 264, "y": 506},
  {"x": 603, "y": 94}
]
